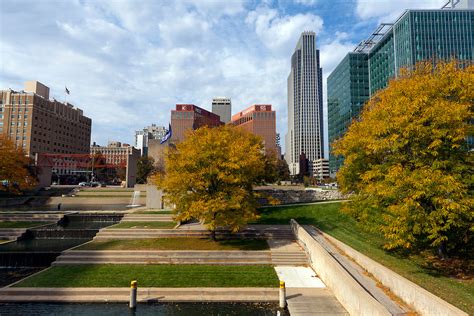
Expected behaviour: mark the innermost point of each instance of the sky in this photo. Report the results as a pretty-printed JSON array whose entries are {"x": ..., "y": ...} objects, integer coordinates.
[{"x": 127, "y": 63}]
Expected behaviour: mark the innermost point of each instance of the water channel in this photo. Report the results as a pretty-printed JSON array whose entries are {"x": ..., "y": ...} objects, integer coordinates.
[
  {"x": 179, "y": 309},
  {"x": 40, "y": 246}
]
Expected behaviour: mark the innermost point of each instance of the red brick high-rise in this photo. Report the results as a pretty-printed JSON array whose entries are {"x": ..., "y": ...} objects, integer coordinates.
[
  {"x": 260, "y": 120},
  {"x": 190, "y": 117}
]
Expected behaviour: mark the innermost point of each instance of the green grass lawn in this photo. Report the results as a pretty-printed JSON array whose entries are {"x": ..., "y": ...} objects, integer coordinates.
[
  {"x": 111, "y": 275},
  {"x": 182, "y": 243},
  {"x": 20, "y": 224},
  {"x": 144, "y": 225},
  {"x": 415, "y": 268}
]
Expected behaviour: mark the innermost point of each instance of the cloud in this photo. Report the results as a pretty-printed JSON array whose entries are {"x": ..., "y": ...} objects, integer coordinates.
[
  {"x": 389, "y": 10},
  {"x": 307, "y": 2},
  {"x": 280, "y": 33}
]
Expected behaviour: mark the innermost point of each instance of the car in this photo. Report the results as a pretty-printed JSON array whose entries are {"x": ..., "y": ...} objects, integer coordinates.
[
  {"x": 94, "y": 184},
  {"x": 84, "y": 184}
]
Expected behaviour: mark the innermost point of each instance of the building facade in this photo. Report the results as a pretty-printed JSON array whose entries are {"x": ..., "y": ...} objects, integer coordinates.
[
  {"x": 349, "y": 91},
  {"x": 259, "y": 120},
  {"x": 190, "y": 117},
  {"x": 222, "y": 106},
  {"x": 415, "y": 36},
  {"x": 143, "y": 136},
  {"x": 122, "y": 156},
  {"x": 40, "y": 125},
  {"x": 320, "y": 169},
  {"x": 305, "y": 104}
]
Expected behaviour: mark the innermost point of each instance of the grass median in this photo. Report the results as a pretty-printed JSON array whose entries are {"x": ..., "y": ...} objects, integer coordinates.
[
  {"x": 178, "y": 243},
  {"x": 415, "y": 267},
  {"x": 144, "y": 225},
  {"x": 109, "y": 275}
]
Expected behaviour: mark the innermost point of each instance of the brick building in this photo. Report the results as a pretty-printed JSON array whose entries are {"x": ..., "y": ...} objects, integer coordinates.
[
  {"x": 260, "y": 120},
  {"x": 190, "y": 117},
  {"x": 40, "y": 125}
]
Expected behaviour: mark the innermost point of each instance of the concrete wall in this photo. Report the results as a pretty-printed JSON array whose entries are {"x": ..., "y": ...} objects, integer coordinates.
[
  {"x": 348, "y": 292},
  {"x": 154, "y": 197},
  {"x": 424, "y": 302}
]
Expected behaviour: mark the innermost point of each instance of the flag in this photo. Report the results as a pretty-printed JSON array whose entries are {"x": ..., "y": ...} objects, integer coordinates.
[
  {"x": 167, "y": 135},
  {"x": 67, "y": 91}
]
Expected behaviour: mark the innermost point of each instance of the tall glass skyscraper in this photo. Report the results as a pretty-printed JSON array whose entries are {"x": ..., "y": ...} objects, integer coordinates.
[
  {"x": 415, "y": 36},
  {"x": 305, "y": 104}
]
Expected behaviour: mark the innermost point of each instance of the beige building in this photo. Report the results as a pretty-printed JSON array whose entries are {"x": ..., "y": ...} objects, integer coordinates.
[
  {"x": 320, "y": 169},
  {"x": 40, "y": 125}
]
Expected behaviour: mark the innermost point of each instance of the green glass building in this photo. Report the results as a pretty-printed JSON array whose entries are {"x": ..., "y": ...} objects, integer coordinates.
[{"x": 415, "y": 36}]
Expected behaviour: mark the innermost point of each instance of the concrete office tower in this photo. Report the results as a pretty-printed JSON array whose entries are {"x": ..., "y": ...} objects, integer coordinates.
[
  {"x": 415, "y": 36},
  {"x": 150, "y": 132},
  {"x": 223, "y": 107},
  {"x": 305, "y": 104},
  {"x": 39, "y": 125},
  {"x": 259, "y": 120}
]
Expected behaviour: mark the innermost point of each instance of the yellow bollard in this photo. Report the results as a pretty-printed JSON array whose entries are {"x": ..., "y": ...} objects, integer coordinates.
[
  {"x": 133, "y": 294},
  {"x": 282, "y": 294}
]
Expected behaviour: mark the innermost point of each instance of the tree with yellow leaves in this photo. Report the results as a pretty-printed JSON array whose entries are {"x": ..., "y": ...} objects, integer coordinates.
[
  {"x": 407, "y": 159},
  {"x": 210, "y": 177},
  {"x": 15, "y": 168}
]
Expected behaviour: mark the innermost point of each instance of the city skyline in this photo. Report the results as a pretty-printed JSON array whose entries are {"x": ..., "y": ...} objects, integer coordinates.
[{"x": 139, "y": 63}]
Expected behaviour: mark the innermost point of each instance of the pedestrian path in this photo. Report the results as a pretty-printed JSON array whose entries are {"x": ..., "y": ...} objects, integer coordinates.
[{"x": 307, "y": 294}]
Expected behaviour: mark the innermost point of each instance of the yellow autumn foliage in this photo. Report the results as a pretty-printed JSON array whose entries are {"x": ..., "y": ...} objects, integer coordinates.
[
  {"x": 210, "y": 176},
  {"x": 408, "y": 161},
  {"x": 14, "y": 172}
]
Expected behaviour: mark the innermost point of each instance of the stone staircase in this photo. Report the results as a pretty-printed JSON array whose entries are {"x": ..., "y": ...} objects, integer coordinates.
[
  {"x": 232, "y": 257},
  {"x": 31, "y": 217},
  {"x": 147, "y": 218},
  {"x": 249, "y": 232},
  {"x": 11, "y": 233}
]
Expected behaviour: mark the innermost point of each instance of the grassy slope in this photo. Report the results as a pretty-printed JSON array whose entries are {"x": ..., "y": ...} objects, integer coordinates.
[
  {"x": 154, "y": 276},
  {"x": 20, "y": 224},
  {"x": 145, "y": 225},
  {"x": 332, "y": 221},
  {"x": 176, "y": 244}
]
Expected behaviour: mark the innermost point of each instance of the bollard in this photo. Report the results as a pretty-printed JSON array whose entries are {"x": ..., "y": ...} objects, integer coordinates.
[
  {"x": 133, "y": 294},
  {"x": 282, "y": 294}
]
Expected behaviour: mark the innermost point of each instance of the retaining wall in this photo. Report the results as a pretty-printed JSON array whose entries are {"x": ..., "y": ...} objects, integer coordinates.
[
  {"x": 424, "y": 302},
  {"x": 349, "y": 293},
  {"x": 299, "y": 196}
]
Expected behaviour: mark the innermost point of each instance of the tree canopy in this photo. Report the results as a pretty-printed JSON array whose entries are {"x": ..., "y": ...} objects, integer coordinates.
[
  {"x": 210, "y": 176},
  {"x": 407, "y": 159},
  {"x": 145, "y": 168},
  {"x": 15, "y": 168}
]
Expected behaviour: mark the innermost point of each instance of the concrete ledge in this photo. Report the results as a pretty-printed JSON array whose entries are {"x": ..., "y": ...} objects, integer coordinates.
[
  {"x": 349, "y": 293},
  {"x": 424, "y": 302},
  {"x": 100, "y": 295}
]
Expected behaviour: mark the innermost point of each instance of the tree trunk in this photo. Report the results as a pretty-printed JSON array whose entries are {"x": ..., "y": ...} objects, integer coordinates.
[
  {"x": 442, "y": 251},
  {"x": 213, "y": 234}
]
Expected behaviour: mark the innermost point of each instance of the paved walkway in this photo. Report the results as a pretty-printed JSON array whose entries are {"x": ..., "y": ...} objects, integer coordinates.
[
  {"x": 101, "y": 295},
  {"x": 307, "y": 294}
]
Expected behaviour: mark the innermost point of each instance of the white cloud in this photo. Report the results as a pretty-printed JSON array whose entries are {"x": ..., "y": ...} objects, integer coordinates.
[
  {"x": 389, "y": 10},
  {"x": 307, "y": 2},
  {"x": 281, "y": 32}
]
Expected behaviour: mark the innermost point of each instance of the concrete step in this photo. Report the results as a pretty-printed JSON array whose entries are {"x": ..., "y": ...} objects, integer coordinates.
[
  {"x": 77, "y": 295},
  {"x": 11, "y": 233}
]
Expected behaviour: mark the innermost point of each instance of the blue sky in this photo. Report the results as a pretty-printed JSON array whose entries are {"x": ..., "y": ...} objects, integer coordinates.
[{"x": 128, "y": 62}]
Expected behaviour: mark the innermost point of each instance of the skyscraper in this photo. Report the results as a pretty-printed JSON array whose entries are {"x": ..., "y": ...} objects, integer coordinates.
[
  {"x": 415, "y": 36},
  {"x": 150, "y": 132},
  {"x": 305, "y": 104},
  {"x": 222, "y": 106}
]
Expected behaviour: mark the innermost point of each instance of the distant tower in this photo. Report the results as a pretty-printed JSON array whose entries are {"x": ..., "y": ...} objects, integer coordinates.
[
  {"x": 305, "y": 105},
  {"x": 222, "y": 106}
]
